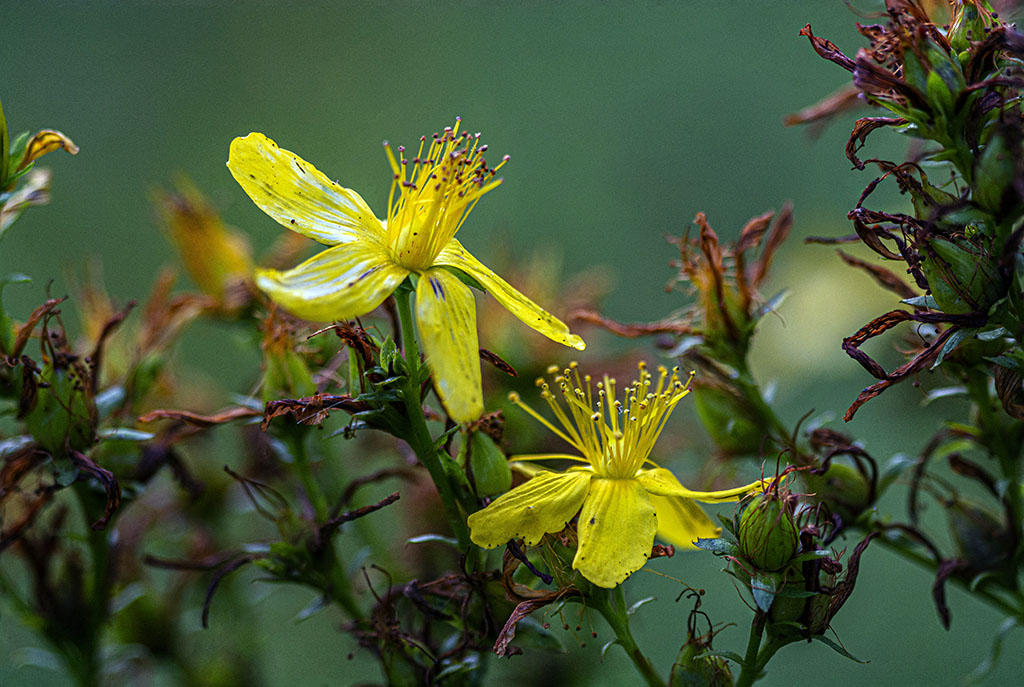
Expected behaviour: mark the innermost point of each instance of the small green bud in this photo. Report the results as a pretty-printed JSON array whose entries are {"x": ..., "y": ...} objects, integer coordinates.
[
  {"x": 287, "y": 376},
  {"x": 707, "y": 671},
  {"x": 768, "y": 535},
  {"x": 962, "y": 277}
]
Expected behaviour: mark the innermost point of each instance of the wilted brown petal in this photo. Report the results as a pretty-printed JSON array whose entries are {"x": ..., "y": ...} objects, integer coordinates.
[
  {"x": 776, "y": 236},
  {"x": 311, "y": 410},
  {"x": 197, "y": 420},
  {"x": 861, "y": 128},
  {"x": 508, "y": 632},
  {"x": 1008, "y": 387},
  {"x": 827, "y": 49},
  {"x": 845, "y": 98},
  {"x": 629, "y": 331},
  {"x": 106, "y": 478},
  {"x": 496, "y": 360},
  {"x": 886, "y": 278},
  {"x": 897, "y": 375}
]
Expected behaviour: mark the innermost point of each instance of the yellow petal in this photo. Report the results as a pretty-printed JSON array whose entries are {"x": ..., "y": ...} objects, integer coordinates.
[
  {"x": 681, "y": 521},
  {"x": 663, "y": 483},
  {"x": 446, "y": 317},
  {"x": 297, "y": 195},
  {"x": 616, "y": 531},
  {"x": 454, "y": 255},
  {"x": 545, "y": 503},
  {"x": 44, "y": 142},
  {"x": 339, "y": 283}
]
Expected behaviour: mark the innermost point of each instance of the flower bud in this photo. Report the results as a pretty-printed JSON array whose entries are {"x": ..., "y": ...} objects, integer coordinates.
[
  {"x": 707, "y": 671},
  {"x": 844, "y": 489},
  {"x": 731, "y": 422},
  {"x": 768, "y": 535},
  {"x": 971, "y": 21}
]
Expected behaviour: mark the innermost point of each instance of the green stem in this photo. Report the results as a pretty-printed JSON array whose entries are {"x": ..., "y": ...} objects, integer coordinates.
[
  {"x": 751, "y": 660},
  {"x": 616, "y": 616},
  {"x": 303, "y": 467},
  {"x": 418, "y": 435}
]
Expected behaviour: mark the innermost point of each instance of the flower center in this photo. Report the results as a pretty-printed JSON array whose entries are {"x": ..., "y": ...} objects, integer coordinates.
[
  {"x": 435, "y": 192},
  {"x": 614, "y": 437}
]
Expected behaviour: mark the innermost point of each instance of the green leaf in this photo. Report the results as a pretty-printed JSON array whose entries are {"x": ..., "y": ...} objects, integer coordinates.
[
  {"x": 635, "y": 607},
  {"x": 109, "y": 399},
  {"x": 836, "y": 647},
  {"x": 438, "y": 538},
  {"x": 764, "y": 585},
  {"x": 315, "y": 606},
  {"x": 728, "y": 523},
  {"x": 491, "y": 472},
  {"x": 6, "y": 322},
  {"x": 921, "y": 302},
  {"x": 15, "y": 153},
  {"x": 954, "y": 340},
  {"x": 719, "y": 547},
  {"x": 993, "y": 334},
  {"x": 730, "y": 655},
  {"x": 608, "y": 645},
  {"x": 4, "y": 145},
  {"x": 125, "y": 434}
]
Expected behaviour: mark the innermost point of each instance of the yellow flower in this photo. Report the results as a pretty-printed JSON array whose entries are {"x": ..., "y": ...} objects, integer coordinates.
[
  {"x": 624, "y": 502},
  {"x": 430, "y": 198}
]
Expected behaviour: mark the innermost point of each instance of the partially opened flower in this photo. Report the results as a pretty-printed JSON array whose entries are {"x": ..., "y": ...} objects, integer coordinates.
[
  {"x": 622, "y": 497},
  {"x": 430, "y": 198}
]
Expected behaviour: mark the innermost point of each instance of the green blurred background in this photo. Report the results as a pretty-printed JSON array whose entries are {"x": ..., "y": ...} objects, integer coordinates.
[{"x": 622, "y": 120}]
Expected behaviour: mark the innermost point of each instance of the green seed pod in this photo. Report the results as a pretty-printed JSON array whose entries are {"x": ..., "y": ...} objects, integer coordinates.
[
  {"x": 768, "y": 535},
  {"x": 962, "y": 277},
  {"x": 730, "y": 422},
  {"x": 996, "y": 172},
  {"x": 842, "y": 488},
  {"x": 982, "y": 539},
  {"x": 491, "y": 472},
  {"x": 63, "y": 415}
]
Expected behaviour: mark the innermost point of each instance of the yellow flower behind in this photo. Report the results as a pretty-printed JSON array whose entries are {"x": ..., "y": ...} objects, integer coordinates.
[
  {"x": 621, "y": 502},
  {"x": 431, "y": 195}
]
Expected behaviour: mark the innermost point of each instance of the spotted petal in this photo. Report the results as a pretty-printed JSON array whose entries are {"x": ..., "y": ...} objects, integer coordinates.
[
  {"x": 616, "y": 531},
  {"x": 297, "y": 195},
  {"x": 681, "y": 521},
  {"x": 446, "y": 317},
  {"x": 542, "y": 504},
  {"x": 663, "y": 483},
  {"x": 454, "y": 255},
  {"x": 339, "y": 283}
]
